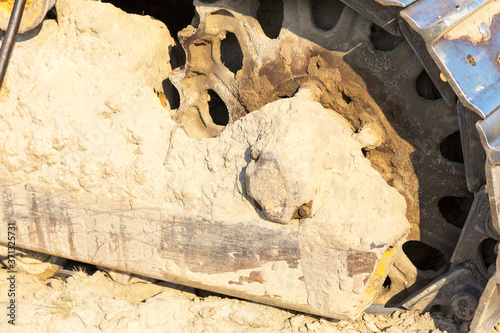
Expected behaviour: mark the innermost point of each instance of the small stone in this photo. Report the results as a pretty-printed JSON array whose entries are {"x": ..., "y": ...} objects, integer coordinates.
[
  {"x": 314, "y": 326},
  {"x": 55, "y": 283},
  {"x": 254, "y": 154},
  {"x": 204, "y": 312},
  {"x": 372, "y": 327}
]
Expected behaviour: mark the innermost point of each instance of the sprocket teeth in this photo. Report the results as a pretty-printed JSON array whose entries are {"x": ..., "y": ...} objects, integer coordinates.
[{"x": 364, "y": 82}]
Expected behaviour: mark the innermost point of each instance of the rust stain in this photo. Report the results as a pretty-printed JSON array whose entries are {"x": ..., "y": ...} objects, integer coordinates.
[
  {"x": 360, "y": 262},
  {"x": 275, "y": 71},
  {"x": 300, "y": 64},
  {"x": 255, "y": 276}
]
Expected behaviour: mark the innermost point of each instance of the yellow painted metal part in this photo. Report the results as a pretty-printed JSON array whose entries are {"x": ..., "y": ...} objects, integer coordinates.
[
  {"x": 378, "y": 277},
  {"x": 33, "y": 15}
]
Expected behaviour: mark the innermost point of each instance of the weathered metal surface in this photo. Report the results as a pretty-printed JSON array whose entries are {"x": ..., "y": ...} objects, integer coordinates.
[
  {"x": 459, "y": 290},
  {"x": 487, "y": 314},
  {"x": 477, "y": 228},
  {"x": 460, "y": 40},
  {"x": 482, "y": 225},
  {"x": 474, "y": 155},
  {"x": 461, "y": 48},
  {"x": 458, "y": 45},
  {"x": 489, "y": 131},
  {"x": 397, "y": 3},
  {"x": 384, "y": 13},
  {"x": 34, "y": 13}
]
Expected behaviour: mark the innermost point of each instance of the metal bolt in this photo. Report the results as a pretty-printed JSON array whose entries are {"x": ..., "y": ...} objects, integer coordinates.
[
  {"x": 442, "y": 77},
  {"x": 304, "y": 211},
  {"x": 471, "y": 60},
  {"x": 254, "y": 154},
  {"x": 464, "y": 305}
]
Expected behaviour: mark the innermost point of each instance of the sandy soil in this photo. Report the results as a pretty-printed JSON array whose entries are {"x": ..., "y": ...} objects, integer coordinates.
[{"x": 95, "y": 303}]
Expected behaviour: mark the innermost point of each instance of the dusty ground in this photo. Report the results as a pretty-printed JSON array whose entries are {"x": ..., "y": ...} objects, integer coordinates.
[{"x": 91, "y": 303}]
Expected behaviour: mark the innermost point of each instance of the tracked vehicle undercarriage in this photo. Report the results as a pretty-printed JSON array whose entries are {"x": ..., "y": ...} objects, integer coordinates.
[{"x": 369, "y": 85}]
